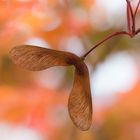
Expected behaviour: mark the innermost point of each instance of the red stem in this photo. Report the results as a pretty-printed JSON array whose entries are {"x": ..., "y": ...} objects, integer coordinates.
[
  {"x": 136, "y": 9},
  {"x": 137, "y": 31},
  {"x": 128, "y": 19},
  {"x": 107, "y": 38},
  {"x": 131, "y": 33},
  {"x": 132, "y": 16}
]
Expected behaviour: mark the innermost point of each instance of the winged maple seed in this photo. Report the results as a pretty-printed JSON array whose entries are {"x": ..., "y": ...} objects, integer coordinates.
[
  {"x": 36, "y": 58},
  {"x": 79, "y": 103}
]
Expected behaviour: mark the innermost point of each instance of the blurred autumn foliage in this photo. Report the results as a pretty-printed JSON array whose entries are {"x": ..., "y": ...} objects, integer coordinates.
[
  {"x": 24, "y": 100},
  {"x": 34, "y": 107},
  {"x": 122, "y": 120}
]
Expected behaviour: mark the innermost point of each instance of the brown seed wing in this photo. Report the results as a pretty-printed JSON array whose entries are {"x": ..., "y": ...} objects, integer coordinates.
[
  {"x": 37, "y": 58},
  {"x": 80, "y": 103}
]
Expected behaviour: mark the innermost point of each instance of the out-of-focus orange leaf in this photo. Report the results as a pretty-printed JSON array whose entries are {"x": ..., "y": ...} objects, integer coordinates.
[{"x": 30, "y": 106}]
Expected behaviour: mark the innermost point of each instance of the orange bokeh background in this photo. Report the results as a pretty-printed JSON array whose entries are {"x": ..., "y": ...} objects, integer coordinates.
[{"x": 27, "y": 100}]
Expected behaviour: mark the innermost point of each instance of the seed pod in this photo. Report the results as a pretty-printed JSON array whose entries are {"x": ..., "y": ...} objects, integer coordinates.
[{"x": 36, "y": 58}]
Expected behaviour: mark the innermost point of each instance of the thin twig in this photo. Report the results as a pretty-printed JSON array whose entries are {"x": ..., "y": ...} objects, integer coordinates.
[
  {"x": 132, "y": 32},
  {"x": 107, "y": 38},
  {"x": 128, "y": 19}
]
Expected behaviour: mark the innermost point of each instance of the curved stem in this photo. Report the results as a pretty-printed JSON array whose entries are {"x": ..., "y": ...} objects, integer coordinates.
[
  {"x": 107, "y": 38},
  {"x": 131, "y": 33}
]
